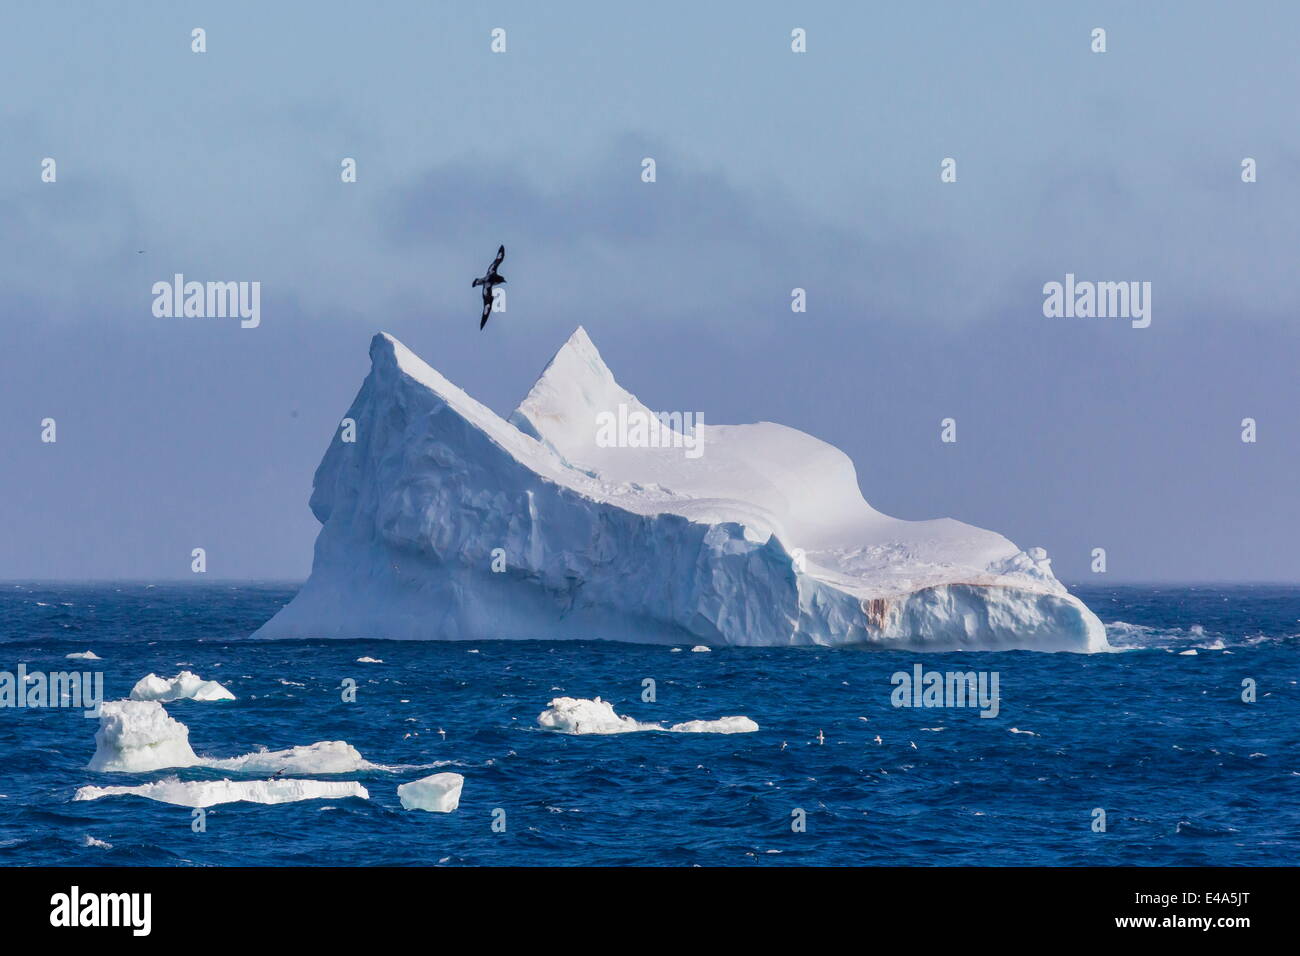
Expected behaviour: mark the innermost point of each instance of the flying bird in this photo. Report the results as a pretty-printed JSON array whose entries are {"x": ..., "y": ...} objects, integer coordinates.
[{"x": 489, "y": 282}]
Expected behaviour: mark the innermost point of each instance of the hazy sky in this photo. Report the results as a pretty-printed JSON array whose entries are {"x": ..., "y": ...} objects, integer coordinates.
[{"x": 775, "y": 170}]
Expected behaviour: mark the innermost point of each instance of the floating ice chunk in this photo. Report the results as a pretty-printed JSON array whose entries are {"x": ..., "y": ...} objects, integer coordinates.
[
  {"x": 83, "y": 656},
  {"x": 439, "y": 793},
  {"x": 369, "y": 660},
  {"x": 136, "y": 736},
  {"x": 207, "y": 793},
  {"x": 326, "y": 756},
  {"x": 1190, "y": 652},
  {"x": 723, "y": 725},
  {"x": 700, "y": 649},
  {"x": 186, "y": 685},
  {"x": 89, "y": 840},
  {"x": 576, "y": 715}
]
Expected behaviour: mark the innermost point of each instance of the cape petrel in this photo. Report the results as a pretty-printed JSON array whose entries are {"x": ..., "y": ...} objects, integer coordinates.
[{"x": 489, "y": 282}]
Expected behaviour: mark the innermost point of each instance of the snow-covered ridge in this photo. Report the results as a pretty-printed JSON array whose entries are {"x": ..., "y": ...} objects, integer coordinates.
[{"x": 763, "y": 539}]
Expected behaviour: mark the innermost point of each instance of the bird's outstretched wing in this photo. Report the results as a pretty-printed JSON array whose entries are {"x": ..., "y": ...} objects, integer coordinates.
[
  {"x": 487, "y": 310},
  {"x": 501, "y": 254}
]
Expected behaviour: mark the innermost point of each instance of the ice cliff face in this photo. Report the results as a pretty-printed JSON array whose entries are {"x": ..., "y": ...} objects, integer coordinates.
[{"x": 444, "y": 521}]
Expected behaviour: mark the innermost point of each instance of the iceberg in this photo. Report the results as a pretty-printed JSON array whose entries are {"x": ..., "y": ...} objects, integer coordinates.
[
  {"x": 208, "y": 793},
  {"x": 137, "y": 736},
  {"x": 578, "y": 715},
  {"x": 442, "y": 520},
  {"x": 184, "y": 686},
  {"x": 438, "y": 793},
  {"x": 325, "y": 756}
]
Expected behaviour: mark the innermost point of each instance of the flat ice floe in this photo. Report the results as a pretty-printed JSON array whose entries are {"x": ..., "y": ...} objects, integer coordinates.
[
  {"x": 438, "y": 793},
  {"x": 207, "y": 793},
  {"x": 138, "y": 736},
  {"x": 184, "y": 686},
  {"x": 578, "y": 715},
  {"x": 445, "y": 521},
  {"x": 83, "y": 656}
]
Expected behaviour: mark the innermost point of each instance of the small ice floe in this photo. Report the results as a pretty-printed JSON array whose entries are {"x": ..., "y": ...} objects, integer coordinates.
[
  {"x": 439, "y": 793},
  {"x": 83, "y": 656},
  {"x": 208, "y": 793},
  {"x": 325, "y": 756},
  {"x": 674, "y": 650},
  {"x": 472, "y": 650},
  {"x": 89, "y": 840},
  {"x": 572, "y": 715},
  {"x": 1017, "y": 730},
  {"x": 723, "y": 725},
  {"x": 369, "y": 660},
  {"x": 186, "y": 685},
  {"x": 700, "y": 649},
  {"x": 1190, "y": 652}
]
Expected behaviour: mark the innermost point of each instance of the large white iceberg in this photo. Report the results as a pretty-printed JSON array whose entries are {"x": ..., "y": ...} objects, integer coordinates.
[{"x": 442, "y": 520}]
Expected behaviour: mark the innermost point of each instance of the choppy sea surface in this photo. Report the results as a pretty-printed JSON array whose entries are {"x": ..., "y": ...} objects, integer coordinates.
[{"x": 1157, "y": 735}]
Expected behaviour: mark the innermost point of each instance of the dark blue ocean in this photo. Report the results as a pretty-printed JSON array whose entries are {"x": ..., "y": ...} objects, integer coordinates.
[{"x": 1159, "y": 738}]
